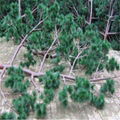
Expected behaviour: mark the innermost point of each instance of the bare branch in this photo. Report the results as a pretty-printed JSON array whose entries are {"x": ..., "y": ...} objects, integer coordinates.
[
  {"x": 76, "y": 60},
  {"x": 110, "y": 16},
  {"x": 91, "y": 11},
  {"x": 19, "y": 5},
  {"x": 34, "y": 84},
  {"x": 55, "y": 39},
  {"x": 38, "y": 74}
]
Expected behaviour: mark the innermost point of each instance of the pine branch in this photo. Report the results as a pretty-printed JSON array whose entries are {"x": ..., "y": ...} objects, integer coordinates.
[
  {"x": 16, "y": 52},
  {"x": 22, "y": 42}
]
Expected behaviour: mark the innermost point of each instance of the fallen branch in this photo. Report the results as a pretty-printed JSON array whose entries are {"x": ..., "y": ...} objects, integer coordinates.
[{"x": 38, "y": 74}]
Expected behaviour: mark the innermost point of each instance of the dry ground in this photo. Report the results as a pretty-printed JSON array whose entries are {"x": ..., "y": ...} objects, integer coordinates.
[{"x": 74, "y": 111}]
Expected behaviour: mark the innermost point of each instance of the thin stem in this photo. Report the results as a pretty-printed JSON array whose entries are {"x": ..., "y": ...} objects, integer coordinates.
[
  {"x": 91, "y": 11},
  {"x": 55, "y": 39},
  {"x": 34, "y": 84},
  {"x": 76, "y": 60},
  {"x": 19, "y": 5}
]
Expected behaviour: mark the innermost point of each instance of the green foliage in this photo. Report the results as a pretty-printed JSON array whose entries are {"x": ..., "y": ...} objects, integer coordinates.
[
  {"x": 8, "y": 116},
  {"x": 24, "y": 104},
  {"x": 70, "y": 21},
  {"x": 63, "y": 97},
  {"x": 102, "y": 9},
  {"x": 68, "y": 34},
  {"x": 58, "y": 68},
  {"x": 98, "y": 101},
  {"x": 56, "y": 60},
  {"x": 39, "y": 41},
  {"x": 81, "y": 91},
  {"x": 115, "y": 44},
  {"x": 40, "y": 110},
  {"x": 108, "y": 86},
  {"x": 29, "y": 60},
  {"x": 48, "y": 95},
  {"x": 51, "y": 80},
  {"x": 112, "y": 65},
  {"x": 15, "y": 80},
  {"x": 13, "y": 25},
  {"x": 95, "y": 56},
  {"x": 5, "y": 7}
]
